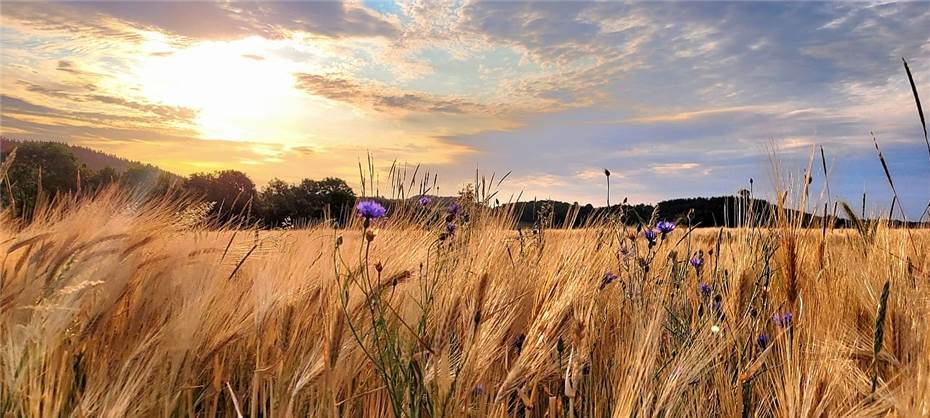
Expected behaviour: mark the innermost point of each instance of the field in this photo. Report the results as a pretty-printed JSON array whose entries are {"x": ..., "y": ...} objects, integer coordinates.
[{"x": 114, "y": 308}]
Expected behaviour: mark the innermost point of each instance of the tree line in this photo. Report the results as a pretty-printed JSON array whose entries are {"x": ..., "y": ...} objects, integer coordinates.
[
  {"x": 51, "y": 169},
  {"x": 34, "y": 170}
]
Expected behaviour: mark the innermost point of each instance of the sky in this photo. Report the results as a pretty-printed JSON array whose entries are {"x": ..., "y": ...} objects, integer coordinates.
[{"x": 675, "y": 99}]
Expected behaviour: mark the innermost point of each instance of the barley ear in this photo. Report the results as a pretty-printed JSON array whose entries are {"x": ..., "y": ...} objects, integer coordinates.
[{"x": 879, "y": 332}]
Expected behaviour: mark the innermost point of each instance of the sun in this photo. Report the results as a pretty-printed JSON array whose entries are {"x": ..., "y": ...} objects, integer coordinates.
[{"x": 238, "y": 92}]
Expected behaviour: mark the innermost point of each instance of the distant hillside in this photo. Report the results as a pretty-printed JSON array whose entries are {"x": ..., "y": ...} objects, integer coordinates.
[{"x": 93, "y": 159}]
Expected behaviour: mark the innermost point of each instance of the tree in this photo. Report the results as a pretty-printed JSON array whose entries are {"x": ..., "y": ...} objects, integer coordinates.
[
  {"x": 305, "y": 201},
  {"x": 277, "y": 202},
  {"x": 336, "y": 195},
  {"x": 100, "y": 179},
  {"x": 39, "y": 166},
  {"x": 232, "y": 190}
]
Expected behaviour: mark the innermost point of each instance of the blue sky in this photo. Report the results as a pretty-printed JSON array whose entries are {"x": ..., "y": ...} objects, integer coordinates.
[{"x": 676, "y": 99}]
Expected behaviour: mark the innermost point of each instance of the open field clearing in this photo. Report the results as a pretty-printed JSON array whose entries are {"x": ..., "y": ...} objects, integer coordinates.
[{"x": 111, "y": 309}]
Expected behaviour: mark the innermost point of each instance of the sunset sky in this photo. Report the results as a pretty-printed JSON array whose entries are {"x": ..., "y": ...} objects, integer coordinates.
[{"x": 676, "y": 99}]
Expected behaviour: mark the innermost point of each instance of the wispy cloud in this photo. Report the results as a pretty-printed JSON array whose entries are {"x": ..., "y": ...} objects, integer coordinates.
[{"x": 379, "y": 97}]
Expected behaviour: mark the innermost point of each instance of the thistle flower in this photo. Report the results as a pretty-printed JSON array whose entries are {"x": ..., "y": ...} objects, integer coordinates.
[
  {"x": 650, "y": 236},
  {"x": 783, "y": 320},
  {"x": 763, "y": 341},
  {"x": 424, "y": 200},
  {"x": 608, "y": 279},
  {"x": 450, "y": 228},
  {"x": 369, "y": 209},
  {"x": 705, "y": 289},
  {"x": 665, "y": 227}
]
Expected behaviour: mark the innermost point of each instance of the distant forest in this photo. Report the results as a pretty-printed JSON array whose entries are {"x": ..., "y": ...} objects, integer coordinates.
[{"x": 52, "y": 168}]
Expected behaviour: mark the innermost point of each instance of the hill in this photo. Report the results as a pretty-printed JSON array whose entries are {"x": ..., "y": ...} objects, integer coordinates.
[{"x": 90, "y": 158}]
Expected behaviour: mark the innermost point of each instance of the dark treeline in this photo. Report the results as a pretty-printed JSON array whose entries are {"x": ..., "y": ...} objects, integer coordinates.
[
  {"x": 50, "y": 168},
  {"x": 728, "y": 211},
  {"x": 713, "y": 211}
]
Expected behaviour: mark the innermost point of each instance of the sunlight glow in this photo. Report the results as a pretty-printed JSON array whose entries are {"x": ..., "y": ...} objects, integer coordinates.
[{"x": 235, "y": 90}]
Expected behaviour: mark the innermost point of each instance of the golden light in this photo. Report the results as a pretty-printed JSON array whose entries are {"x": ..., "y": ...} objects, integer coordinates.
[{"x": 239, "y": 94}]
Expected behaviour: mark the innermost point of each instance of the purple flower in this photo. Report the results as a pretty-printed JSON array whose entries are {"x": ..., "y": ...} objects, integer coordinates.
[
  {"x": 425, "y": 200},
  {"x": 608, "y": 279},
  {"x": 763, "y": 341},
  {"x": 650, "y": 236},
  {"x": 665, "y": 227},
  {"x": 518, "y": 344},
  {"x": 478, "y": 390},
  {"x": 369, "y": 209},
  {"x": 783, "y": 320},
  {"x": 705, "y": 288},
  {"x": 697, "y": 263},
  {"x": 450, "y": 228},
  {"x": 454, "y": 209}
]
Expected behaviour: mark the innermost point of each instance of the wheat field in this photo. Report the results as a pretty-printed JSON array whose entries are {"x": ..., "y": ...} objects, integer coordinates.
[{"x": 110, "y": 307}]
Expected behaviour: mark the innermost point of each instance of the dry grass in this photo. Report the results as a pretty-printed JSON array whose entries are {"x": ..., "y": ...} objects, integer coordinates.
[{"x": 109, "y": 308}]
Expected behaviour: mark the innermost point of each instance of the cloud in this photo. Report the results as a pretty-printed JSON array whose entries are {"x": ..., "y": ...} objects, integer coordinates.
[
  {"x": 204, "y": 19},
  {"x": 68, "y": 67},
  {"x": 64, "y": 18},
  {"x": 674, "y": 168},
  {"x": 380, "y": 98},
  {"x": 88, "y": 93}
]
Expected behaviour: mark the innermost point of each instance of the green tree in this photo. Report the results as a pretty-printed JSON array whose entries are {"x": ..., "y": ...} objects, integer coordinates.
[
  {"x": 308, "y": 200},
  {"x": 45, "y": 167},
  {"x": 232, "y": 190},
  {"x": 99, "y": 179},
  {"x": 277, "y": 202}
]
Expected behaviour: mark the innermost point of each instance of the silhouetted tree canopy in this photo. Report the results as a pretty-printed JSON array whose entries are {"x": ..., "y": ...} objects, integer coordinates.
[
  {"x": 305, "y": 201},
  {"x": 39, "y": 166},
  {"x": 233, "y": 193}
]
